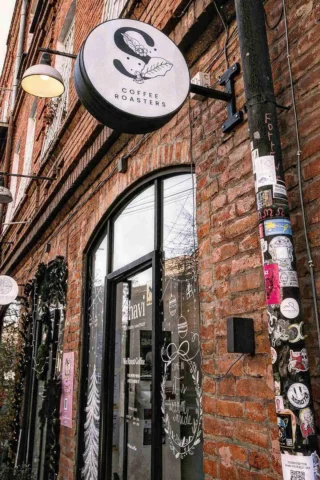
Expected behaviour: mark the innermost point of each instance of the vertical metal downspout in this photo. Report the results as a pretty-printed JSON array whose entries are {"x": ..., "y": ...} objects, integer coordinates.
[
  {"x": 293, "y": 397},
  {"x": 21, "y": 36},
  {"x": 23, "y": 15}
]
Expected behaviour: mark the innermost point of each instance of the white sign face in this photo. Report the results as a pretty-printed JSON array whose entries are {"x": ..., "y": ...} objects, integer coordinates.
[
  {"x": 298, "y": 395},
  {"x": 8, "y": 290},
  {"x": 297, "y": 467},
  {"x": 136, "y": 68}
]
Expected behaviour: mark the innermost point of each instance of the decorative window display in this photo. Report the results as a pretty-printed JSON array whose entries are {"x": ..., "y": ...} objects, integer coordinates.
[{"x": 144, "y": 348}]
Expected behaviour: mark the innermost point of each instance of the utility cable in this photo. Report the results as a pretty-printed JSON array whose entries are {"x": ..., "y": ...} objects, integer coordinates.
[
  {"x": 231, "y": 366},
  {"x": 305, "y": 229},
  {"x": 226, "y": 28},
  {"x": 273, "y": 27}
]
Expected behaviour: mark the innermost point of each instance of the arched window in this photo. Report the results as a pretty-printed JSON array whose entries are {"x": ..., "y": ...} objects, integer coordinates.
[{"x": 141, "y": 406}]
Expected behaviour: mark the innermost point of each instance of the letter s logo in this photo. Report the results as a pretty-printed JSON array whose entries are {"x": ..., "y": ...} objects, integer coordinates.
[
  {"x": 127, "y": 40},
  {"x": 131, "y": 46}
]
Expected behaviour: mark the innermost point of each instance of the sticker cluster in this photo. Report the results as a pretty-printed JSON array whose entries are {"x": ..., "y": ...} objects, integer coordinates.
[{"x": 293, "y": 400}]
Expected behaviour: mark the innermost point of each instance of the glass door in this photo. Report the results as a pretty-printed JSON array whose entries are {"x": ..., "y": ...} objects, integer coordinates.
[{"x": 132, "y": 392}]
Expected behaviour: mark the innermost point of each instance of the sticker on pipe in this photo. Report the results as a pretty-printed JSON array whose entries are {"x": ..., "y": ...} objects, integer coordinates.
[
  {"x": 281, "y": 251},
  {"x": 297, "y": 467},
  {"x": 264, "y": 199},
  {"x": 287, "y": 428},
  {"x": 265, "y": 171},
  {"x": 290, "y": 308},
  {"x": 272, "y": 285},
  {"x": 298, "y": 395},
  {"x": 307, "y": 426},
  {"x": 278, "y": 226},
  {"x": 279, "y": 191},
  {"x": 274, "y": 355},
  {"x": 288, "y": 279},
  {"x": 8, "y": 290},
  {"x": 298, "y": 361},
  {"x": 279, "y": 403}
]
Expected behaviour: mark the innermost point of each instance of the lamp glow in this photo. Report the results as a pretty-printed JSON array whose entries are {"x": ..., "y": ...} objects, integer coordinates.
[{"x": 42, "y": 80}]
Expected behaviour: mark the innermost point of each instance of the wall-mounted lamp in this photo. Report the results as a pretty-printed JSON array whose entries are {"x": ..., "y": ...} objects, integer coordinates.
[
  {"x": 42, "y": 80},
  {"x": 5, "y": 194}
]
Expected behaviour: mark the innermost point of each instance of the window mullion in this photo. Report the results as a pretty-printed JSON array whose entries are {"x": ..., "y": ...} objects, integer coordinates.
[{"x": 156, "y": 452}]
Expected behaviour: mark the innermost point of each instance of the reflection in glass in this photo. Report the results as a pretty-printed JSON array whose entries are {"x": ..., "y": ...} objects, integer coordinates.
[
  {"x": 131, "y": 449},
  {"x": 181, "y": 362},
  {"x": 96, "y": 306},
  {"x": 134, "y": 230},
  {"x": 179, "y": 228}
]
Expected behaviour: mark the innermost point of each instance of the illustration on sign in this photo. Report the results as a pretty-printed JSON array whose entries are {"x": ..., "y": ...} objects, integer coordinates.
[{"x": 151, "y": 67}]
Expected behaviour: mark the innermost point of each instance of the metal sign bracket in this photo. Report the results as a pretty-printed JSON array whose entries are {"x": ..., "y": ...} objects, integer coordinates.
[{"x": 227, "y": 80}]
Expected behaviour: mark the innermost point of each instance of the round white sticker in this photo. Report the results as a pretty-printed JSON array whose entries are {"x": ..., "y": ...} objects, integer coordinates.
[
  {"x": 8, "y": 290},
  {"x": 298, "y": 395},
  {"x": 290, "y": 308}
]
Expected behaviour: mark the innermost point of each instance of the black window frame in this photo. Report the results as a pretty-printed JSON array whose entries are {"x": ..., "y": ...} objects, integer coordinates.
[{"x": 152, "y": 259}]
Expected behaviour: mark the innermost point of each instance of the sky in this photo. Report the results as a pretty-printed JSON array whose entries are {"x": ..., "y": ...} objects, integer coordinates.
[{"x": 7, "y": 7}]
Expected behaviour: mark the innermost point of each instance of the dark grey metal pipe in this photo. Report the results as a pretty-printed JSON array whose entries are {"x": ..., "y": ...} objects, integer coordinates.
[{"x": 293, "y": 397}]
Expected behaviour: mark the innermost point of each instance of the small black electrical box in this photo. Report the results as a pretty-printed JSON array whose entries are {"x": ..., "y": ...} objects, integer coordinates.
[
  {"x": 123, "y": 165},
  {"x": 240, "y": 335}
]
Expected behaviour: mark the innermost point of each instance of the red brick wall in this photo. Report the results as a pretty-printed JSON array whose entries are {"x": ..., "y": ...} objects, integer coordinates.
[{"x": 239, "y": 415}]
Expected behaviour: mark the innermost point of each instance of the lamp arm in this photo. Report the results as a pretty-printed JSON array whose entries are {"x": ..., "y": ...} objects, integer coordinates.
[
  {"x": 57, "y": 52},
  {"x": 35, "y": 177}
]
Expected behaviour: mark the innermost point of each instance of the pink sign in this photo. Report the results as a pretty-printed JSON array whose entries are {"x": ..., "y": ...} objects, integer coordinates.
[
  {"x": 67, "y": 389},
  {"x": 272, "y": 284}
]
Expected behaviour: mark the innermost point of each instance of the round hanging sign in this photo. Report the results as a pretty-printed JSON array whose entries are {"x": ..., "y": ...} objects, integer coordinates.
[
  {"x": 8, "y": 290},
  {"x": 130, "y": 76}
]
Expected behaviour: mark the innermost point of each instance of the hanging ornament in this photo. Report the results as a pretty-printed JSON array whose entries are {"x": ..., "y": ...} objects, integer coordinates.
[
  {"x": 172, "y": 305},
  {"x": 182, "y": 327}
]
